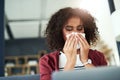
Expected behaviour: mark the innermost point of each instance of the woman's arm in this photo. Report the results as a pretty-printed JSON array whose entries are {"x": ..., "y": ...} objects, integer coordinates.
[{"x": 45, "y": 73}]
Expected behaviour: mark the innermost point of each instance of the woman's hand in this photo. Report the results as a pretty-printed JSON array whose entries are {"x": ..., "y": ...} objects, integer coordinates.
[
  {"x": 84, "y": 48},
  {"x": 70, "y": 52}
]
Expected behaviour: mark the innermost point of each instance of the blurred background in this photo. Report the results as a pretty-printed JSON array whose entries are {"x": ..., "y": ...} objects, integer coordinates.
[{"x": 25, "y": 22}]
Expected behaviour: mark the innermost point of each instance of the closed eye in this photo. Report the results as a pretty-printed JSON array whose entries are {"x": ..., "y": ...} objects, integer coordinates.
[
  {"x": 80, "y": 27},
  {"x": 69, "y": 28}
]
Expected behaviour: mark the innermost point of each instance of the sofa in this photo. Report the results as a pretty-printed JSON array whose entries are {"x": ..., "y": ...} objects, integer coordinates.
[{"x": 25, "y": 77}]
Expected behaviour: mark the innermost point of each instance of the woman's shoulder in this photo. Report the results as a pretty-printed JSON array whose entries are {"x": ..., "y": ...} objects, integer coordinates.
[
  {"x": 50, "y": 55},
  {"x": 95, "y": 53}
]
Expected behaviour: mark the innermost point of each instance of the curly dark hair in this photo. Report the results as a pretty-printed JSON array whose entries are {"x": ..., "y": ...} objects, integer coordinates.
[{"x": 54, "y": 32}]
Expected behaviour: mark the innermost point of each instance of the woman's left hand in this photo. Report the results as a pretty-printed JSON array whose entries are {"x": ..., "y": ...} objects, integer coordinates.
[{"x": 84, "y": 48}]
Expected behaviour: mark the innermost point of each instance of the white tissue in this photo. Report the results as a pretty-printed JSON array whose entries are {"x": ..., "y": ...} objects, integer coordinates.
[{"x": 83, "y": 34}]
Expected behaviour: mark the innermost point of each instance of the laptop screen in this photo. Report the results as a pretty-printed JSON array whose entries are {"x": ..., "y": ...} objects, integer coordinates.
[{"x": 99, "y": 73}]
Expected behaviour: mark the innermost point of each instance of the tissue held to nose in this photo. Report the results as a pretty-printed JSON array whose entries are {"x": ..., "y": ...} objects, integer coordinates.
[{"x": 83, "y": 34}]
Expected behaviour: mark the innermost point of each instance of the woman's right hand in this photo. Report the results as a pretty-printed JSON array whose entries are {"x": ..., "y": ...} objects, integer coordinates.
[{"x": 70, "y": 52}]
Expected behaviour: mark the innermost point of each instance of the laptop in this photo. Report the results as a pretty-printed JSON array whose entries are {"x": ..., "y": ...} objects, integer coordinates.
[{"x": 99, "y": 73}]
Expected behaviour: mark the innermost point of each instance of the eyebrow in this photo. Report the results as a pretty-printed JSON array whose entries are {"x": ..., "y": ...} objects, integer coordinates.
[
  {"x": 73, "y": 26},
  {"x": 79, "y": 25}
]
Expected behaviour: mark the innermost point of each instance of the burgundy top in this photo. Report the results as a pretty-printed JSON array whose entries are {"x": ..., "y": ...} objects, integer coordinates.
[{"x": 50, "y": 62}]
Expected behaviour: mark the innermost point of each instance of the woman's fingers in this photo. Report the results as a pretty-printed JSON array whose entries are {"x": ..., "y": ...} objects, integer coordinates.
[
  {"x": 82, "y": 41},
  {"x": 70, "y": 41},
  {"x": 71, "y": 44},
  {"x": 67, "y": 41},
  {"x": 75, "y": 44},
  {"x": 84, "y": 50}
]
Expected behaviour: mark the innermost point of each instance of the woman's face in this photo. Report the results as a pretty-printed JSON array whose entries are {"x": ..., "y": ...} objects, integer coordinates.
[{"x": 74, "y": 24}]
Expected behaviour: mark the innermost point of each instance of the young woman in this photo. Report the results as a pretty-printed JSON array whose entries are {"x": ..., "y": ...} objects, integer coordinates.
[{"x": 70, "y": 33}]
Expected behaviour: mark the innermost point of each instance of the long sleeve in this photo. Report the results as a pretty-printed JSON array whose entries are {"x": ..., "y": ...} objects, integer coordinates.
[
  {"x": 98, "y": 58},
  {"x": 103, "y": 61},
  {"x": 48, "y": 64},
  {"x": 45, "y": 72}
]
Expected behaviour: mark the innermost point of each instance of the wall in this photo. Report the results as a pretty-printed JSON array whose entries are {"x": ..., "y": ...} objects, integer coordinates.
[{"x": 115, "y": 19}]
